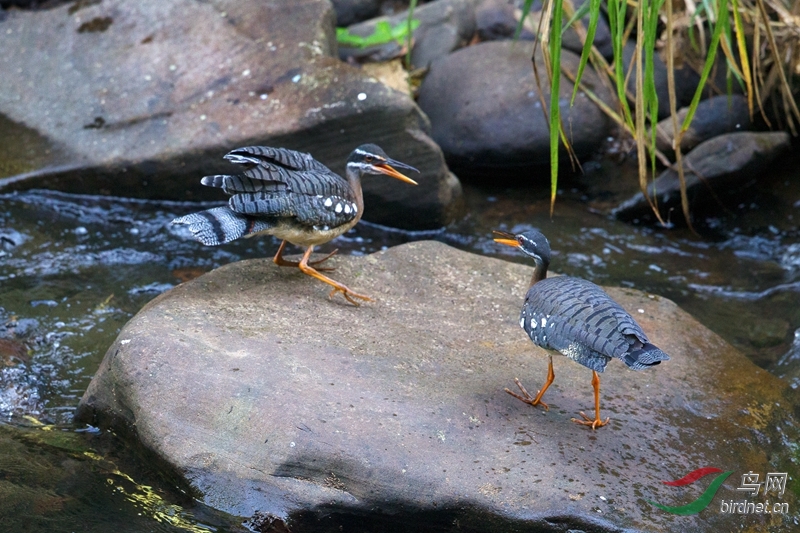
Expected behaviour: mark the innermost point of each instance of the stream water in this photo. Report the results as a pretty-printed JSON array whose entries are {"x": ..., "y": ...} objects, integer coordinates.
[{"x": 74, "y": 269}]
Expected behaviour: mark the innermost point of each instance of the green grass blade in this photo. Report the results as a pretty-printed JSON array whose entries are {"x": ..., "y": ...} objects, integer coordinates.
[
  {"x": 555, "y": 112},
  {"x": 710, "y": 58},
  {"x": 616, "y": 22},
  {"x": 594, "y": 8},
  {"x": 652, "y": 8}
]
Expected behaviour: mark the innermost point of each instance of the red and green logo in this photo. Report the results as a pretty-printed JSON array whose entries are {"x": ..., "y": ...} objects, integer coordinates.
[{"x": 704, "y": 500}]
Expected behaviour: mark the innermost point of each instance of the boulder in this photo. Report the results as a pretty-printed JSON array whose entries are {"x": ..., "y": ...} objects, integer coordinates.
[
  {"x": 714, "y": 116},
  {"x": 495, "y": 21},
  {"x": 272, "y": 402},
  {"x": 720, "y": 166},
  {"x": 444, "y": 26},
  {"x": 146, "y": 97},
  {"x": 485, "y": 109},
  {"x": 351, "y": 11}
]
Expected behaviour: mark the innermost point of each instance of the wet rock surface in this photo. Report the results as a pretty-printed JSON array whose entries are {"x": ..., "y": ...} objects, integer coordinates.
[
  {"x": 275, "y": 403},
  {"x": 485, "y": 110},
  {"x": 146, "y": 97},
  {"x": 719, "y": 166}
]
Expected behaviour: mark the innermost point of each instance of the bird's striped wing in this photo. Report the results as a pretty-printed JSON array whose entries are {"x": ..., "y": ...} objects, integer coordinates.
[
  {"x": 268, "y": 157},
  {"x": 321, "y": 212},
  {"x": 572, "y": 311},
  {"x": 281, "y": 183}
]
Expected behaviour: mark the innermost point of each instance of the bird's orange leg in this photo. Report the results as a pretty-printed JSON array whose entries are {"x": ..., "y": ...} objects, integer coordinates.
[
  {"x": 337, "y": 287},
  {"x": 526, "y": 397},
  {"x": 280, "y": 261},
  {"x": 597, "y": 422}
]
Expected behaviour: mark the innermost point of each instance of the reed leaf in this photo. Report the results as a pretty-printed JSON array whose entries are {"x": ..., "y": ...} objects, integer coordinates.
[
  {"x": 710, "y": 58},
  {"x": 594, "y": 7},
  {"x": 616, "y": 22},
  {"x": 650, "y": 95},
  {"x": 555, "y": 114}
]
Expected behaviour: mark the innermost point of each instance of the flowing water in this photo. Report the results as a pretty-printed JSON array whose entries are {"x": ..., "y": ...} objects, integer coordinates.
[{"x": 74, "y": 269}]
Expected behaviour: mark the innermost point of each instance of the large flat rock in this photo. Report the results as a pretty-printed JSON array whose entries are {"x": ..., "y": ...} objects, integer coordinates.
[
  {"x": 144, "y": 98},
  {"x": 266, "y": 397}
]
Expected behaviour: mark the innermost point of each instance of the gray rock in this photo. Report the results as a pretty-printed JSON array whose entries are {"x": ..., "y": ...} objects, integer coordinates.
[
  {"x": 264, "y": 396},
  {"x": 445, "y": 26},
  {"x": 351, "y": 11},
  {"x": 714, "y": 116},
  {"x": 485, "y": 111},
  {"x": 495, "y": 21},
  {"x": 725, "y": 163},
  {"x": 146, "y": 97}
]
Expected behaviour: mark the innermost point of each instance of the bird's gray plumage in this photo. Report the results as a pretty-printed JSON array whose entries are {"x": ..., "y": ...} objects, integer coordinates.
[{"x": 578, "y": 319}]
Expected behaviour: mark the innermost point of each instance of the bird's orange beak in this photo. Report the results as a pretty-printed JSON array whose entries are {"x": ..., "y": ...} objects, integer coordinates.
[
  {"x": 503, "y": 237},
  {"x": 387, "y": 168}
]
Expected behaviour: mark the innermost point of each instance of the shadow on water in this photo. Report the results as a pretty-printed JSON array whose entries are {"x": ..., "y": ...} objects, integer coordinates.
[{"x": 74, "y": 269}]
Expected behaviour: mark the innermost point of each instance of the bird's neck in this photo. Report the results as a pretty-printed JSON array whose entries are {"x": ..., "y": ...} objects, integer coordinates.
[
  {"x": 354, "y": 180},
  {"x": 539, "y": 273}
]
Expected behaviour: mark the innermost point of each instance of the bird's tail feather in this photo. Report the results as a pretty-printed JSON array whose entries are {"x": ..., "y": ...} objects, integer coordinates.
[
  {"x": 645, "y": 356},
  {"x": 220, "y": 225}
]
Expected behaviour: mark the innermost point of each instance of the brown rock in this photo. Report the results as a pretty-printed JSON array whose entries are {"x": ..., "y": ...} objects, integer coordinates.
[{"x": 273, "y": 402}]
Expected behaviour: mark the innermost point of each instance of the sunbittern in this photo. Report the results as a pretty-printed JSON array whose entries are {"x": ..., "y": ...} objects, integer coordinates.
[
  {"x": 578, "y": 319},
  {"x": 294, "y": 197}
]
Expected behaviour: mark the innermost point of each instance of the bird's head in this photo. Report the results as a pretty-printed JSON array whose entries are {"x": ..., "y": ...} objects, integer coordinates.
[
  {"x": 532, "y": 243},
  {"x": 370, "y": 159}
]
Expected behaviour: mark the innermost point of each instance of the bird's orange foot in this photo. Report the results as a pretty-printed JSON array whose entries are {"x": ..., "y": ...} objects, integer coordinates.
[
  {"x": 318, "y": 261},
  {"x": 280, "y": 261},
  {"x": 526, "y": 396},
  {"x": 595, "y": 423},
  {"x": 349, "y": 295}
]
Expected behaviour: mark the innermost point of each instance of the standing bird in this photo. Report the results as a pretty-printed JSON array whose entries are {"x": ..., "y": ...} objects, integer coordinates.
[
  {"x": 294, "y": 197},
  {"x": 578, "y": 319}
]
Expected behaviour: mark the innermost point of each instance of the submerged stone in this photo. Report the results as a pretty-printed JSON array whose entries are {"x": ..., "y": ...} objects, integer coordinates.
[{"x": 274, "y": 403}]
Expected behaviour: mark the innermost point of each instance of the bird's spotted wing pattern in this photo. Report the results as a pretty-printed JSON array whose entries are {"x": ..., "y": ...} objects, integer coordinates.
[
  {"x": 578, "y": 319},
  {"x": 285, "y": 183}
]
